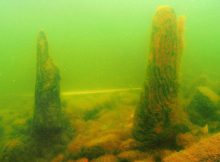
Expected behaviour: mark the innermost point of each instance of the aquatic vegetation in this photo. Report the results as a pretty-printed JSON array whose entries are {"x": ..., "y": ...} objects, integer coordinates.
[
  {"x": 109, "y": 132},
  {"x": 205, "y": 150},
  {"x": 47, "y": 118},
  {"x": 156, "y": 117},
  {"x": 108, "y": 136},
  {"x": 14, "y": 150}
]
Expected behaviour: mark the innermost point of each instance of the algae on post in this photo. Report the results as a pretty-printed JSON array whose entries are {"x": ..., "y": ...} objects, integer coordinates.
[
  {"x": 47, "y": 112},
  {"x": 156, "y": 113}
]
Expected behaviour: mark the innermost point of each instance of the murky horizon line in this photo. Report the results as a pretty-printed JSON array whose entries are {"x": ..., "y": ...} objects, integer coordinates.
[
  {"x": 84, "y": 92},
  {"x": 69, "y": 93}
]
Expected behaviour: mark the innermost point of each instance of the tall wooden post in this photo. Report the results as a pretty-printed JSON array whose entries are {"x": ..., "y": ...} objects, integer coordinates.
[
  {"x": 47, "y": 112},
  {"x": 155, "y": 116}
]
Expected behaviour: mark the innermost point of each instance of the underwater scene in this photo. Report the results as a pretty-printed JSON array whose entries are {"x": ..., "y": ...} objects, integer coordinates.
[{"x": 110, "y": 81}]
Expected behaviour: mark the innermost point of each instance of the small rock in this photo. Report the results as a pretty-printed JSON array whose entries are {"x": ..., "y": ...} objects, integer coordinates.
[{"x": 204, "y": 107}]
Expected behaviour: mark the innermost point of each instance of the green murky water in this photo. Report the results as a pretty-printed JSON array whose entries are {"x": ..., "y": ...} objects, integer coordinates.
[{"x": 97, "y": 45}]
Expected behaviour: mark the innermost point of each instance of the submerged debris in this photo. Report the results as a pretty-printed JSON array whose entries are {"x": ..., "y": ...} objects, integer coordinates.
[{"x": 204, "y": 109}]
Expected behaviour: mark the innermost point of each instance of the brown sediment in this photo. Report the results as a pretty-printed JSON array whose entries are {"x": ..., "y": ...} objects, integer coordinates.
[{"x": 205, "y": 150}]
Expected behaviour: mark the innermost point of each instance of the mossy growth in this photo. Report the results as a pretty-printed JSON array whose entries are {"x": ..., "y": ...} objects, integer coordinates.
[
  {"x": 156, "y": 117},
  {"x": 20, "y": 146},
  {"x": 47, "y": 120},
  {"x": 14, "y": 150},
  {"x": 205, "y": 150}
]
